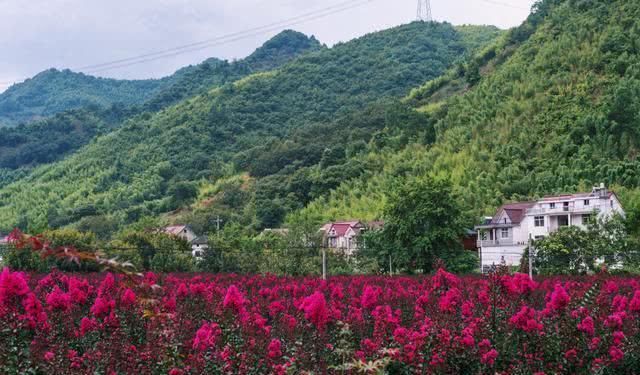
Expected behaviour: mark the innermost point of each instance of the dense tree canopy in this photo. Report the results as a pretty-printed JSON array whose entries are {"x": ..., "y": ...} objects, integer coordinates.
[{"x": 297, "y": 130}]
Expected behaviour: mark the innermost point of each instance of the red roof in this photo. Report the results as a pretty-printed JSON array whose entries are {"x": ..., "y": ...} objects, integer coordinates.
[
  {"x": 342, "y": 227},
  {"x": 516, "y": 211}
]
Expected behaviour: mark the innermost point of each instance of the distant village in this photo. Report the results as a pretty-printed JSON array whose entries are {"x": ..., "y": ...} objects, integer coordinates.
[{"x": 500, "y": 239}]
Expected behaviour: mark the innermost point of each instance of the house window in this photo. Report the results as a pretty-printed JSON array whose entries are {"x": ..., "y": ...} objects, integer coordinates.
[
  {"x": 538, "y": 221},
  {"x": 504, "y": 233},
  {"x": 505, "y": 220},
  {"x": 552, "y": 205},
  {"x": 586, "y": 202},
  {"x": 538, "y": 238},
  {"x": 586, "y": 219},
  {"x": 565, "y": 206}
]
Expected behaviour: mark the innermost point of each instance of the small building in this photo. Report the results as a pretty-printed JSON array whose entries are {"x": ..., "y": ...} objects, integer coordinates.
[
  {"x": 199, "y": 246},
  {"x": 503, "y": 238},
  {"x": 183, "y": 231},
  {"x": 343, "y": 235}
]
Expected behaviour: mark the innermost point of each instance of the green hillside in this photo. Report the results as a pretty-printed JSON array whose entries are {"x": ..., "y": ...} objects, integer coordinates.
[
  {"x": 554, "y": 106},
  {"x": 287, "y": 125},
  {"x": 54, "y": 91},
  {"x": 54, "y": 137}
]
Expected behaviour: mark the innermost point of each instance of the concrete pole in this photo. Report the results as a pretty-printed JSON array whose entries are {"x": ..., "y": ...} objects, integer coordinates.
[
  {"x": 530, "y": 258},
  {"x": 324, "y": 263}
]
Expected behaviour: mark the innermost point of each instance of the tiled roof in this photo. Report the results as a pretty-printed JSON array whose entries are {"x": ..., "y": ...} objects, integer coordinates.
[
  {"x": 341, "y": 227},
  {"x": 174, "y": 229},
  {"x": 516, "y": 211},
  {"x": 202, "y": 240}
]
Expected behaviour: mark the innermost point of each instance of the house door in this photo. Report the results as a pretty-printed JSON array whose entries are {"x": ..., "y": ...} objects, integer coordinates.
[{"x": 563, "y": 221}]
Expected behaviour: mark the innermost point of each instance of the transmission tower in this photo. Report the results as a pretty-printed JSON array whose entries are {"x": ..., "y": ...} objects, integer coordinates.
[{"x": 424, "y": 11}]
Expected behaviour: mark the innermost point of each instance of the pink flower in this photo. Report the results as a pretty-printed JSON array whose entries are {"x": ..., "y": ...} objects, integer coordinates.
[
  {"x": 489, "y": 357},
  {"x": 176, "y": 371},
  {"x": 571, "y": 355},
  {"x": 102, "y": 307},
  {"x": 634, "y": 305},
  {"x": 616, "y": 354},
  {"x": 128, "y": 298},
  {"x": 619, "y": 303},
  {"x": 48, "y": 356},
  {"x": 559, "y": 298},
  {"x": 519, "y": 283},
  {"x": 58, "y": 300},
  {"x": 450, "y": 300},
  {"x": 34, "y": 313},
  {"x": 525, "y": 320},
  {"x": 369, "y": 297},
  {"x": 274, "y": 349},
  {"x": 615, "y": 320},
  {"x": 587, "y": 326},
  {"x": 315, "y": 310},
  {"x": 206, "y": 336},
  {"x": 467, "y": 309},
  {"x": 618, "y": 337},
  {"x": 12, "y": 284},
  {"x": 87, "y": 325},
  {"x": 234, "y": 299}
]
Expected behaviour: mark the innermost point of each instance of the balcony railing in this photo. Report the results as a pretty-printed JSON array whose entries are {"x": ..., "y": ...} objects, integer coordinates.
[
  {"x": 491, "y": 243},
  {"x": 563, "y": 210}
]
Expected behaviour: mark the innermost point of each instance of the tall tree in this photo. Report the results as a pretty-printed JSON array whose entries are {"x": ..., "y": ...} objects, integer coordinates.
[{"x": 423, "y": 223}]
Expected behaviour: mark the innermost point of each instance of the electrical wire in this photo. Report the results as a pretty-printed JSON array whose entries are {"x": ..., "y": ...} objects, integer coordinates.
[
  {"x": 220, "y": 40},
  {"x": 205, "y": 43}
]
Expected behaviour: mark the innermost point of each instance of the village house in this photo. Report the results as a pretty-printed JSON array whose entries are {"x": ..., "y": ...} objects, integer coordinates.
[
  {"x": 503, "y": 238},
  {"x": 343, "y": 235},
  {"x": 199, "y": 244}
]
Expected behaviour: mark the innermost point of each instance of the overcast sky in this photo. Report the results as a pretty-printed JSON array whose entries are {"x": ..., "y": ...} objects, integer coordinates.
[{"x": 39, "y": 34}]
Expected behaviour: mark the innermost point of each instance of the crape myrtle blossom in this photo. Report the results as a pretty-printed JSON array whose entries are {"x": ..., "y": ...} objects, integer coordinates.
[{"x": 243, "y": 324}]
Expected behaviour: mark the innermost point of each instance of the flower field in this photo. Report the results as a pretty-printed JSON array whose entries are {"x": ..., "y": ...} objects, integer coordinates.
[{"x": 218, "y": 324}]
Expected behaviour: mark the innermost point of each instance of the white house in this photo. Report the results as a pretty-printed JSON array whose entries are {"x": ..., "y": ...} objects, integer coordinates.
[
  {"x": 198, "y": 244},
  {"x": 342, "y": 235},
  {"x": 504, "y": 237}
]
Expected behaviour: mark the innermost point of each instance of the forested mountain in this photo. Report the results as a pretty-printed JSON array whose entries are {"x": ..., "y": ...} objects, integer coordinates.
[
  {"x": 293, "y": 130},
  {"x": 56, "y": 136},
  {"x": 54, "y": 91},
  {"x": 553, "y": 106}
]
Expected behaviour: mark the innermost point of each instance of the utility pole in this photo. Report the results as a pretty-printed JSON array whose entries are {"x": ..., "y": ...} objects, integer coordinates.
[
  {"x": 324, "y": 263},
  {"x": 530, "y": 258},
  {"x": 218, "y": 221},
  {"x": 424, "y": 11}
]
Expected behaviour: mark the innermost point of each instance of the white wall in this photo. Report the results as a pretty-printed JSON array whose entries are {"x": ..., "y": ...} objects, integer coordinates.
[{"x": 494, "y": 255}]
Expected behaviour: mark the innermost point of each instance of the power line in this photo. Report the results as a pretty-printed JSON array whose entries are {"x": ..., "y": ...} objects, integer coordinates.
[
  {"x": 243, "y": 36},
  {"x": 221, "y": 37},
  {"x": 220, "y": 40}
]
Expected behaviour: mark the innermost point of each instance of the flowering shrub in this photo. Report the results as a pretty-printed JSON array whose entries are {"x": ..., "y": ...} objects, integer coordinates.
[{"x": 218, "y": 324}]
